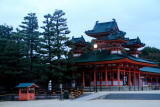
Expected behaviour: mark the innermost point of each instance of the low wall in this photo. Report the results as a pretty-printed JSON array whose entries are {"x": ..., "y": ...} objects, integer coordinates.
[{"x": 122, "y": 88}]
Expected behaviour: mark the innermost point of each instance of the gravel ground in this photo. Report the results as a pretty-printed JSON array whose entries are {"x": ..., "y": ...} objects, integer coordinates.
[{"x": 91, "y": 103}]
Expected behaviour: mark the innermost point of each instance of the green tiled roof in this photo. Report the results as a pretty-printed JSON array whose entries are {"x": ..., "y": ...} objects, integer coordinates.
[
  {"x": 24, "y": 85},
  {"x": 79, "y": 40},
  {"x": 141, "y": 60},
  {"x": 133, "y": 42},
  {"x": 98, "y": 56},
  {"x": 150, "y": 69},
  {"x": 102, "y": 27}
]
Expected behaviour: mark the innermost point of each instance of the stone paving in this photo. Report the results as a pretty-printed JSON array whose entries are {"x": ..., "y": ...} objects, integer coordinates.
[
  {"x": 86, "y": 102},
  {"x": 91, "y": 103},
  {"x": 92, "y": 95}
]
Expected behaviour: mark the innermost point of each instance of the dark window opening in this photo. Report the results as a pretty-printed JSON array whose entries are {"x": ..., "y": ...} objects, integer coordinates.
[
  {"x": 98, "y": 76},
  {"x": 115, "y": 75},
  {"x": 103, "y": 76}
]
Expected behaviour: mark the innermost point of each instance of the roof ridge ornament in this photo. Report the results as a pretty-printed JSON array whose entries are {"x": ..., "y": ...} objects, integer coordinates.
[
  {"x": 114, "y": 20},
  {"x": 97, "y": 22}
]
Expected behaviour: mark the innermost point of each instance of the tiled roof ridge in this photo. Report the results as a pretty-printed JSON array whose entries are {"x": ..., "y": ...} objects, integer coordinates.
[
  {"x": 134, "y": 41},
  {"x": 102, "y": 27}
]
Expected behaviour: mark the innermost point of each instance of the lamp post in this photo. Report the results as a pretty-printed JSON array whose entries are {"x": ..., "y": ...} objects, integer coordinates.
[
  {"x": 60, "y": 86},
  {"x": 95, "y": 47}
]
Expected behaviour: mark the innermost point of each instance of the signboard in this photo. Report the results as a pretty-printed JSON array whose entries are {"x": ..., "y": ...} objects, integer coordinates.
[{"x": 124, "y": 80}]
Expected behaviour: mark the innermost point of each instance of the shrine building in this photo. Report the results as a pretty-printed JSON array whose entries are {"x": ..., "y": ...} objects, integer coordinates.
[{"x": 111, "y": 59}]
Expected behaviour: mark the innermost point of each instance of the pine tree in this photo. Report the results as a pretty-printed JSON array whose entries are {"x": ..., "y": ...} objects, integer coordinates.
[
  {"x": 48, "y": 39},
  {"x": 31, "y": 37},
  {"x": 11, "y": 57},
  {"x": 56, "y": 48},
  {"x": 46, "y": 51},
  {"x": 14, "y": 61},
  {"x": 5, "y": 33},
  {"x": 60, "y": 49}
]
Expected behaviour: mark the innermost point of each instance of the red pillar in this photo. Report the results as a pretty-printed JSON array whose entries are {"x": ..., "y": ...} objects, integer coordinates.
[
  {"x": 129, "y": 78},
  {"x": 100, "y": 81},
  {"x": 139, "y": 81},
  {"x": 134, "y": 78},
  {"x": 90, "y": 78},
  {"x": 112, "y": 78},
  {"x": 118, "y": 75},
  {"x": 106, "y": 77},
  {"x": 83, "y": 79}
]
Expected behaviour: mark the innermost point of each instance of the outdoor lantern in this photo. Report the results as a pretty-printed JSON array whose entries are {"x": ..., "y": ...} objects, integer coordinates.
[
  {"x": 50, "y": 85},
  {"x": 95, "y": 46}
]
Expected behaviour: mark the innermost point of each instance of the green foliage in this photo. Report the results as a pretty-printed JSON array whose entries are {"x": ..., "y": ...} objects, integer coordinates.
[
  {"x": 63, "y": 61},
  {"x": 31, "y": 40},
  {"x": 11, "y": 57},
  {"x": 55, "y": 47},
  {"x": 47, "y": 41},
  {"x": 151, "y": 53},
  {"x": 5, "y": 32},
  {"x": 29, "y": 56}
]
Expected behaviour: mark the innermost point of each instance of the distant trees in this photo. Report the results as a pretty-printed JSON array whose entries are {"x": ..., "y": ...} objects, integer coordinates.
[
  {"x": 151, "y": 53},
  {"x": 27, "y": 55}
]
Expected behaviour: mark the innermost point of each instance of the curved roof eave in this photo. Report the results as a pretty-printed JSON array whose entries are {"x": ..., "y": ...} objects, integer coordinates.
[
  {"x": 114, "y": 58},
  {"x": 150, "y": 69}
]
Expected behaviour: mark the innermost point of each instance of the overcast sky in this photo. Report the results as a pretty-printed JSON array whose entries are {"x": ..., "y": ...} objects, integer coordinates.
[{"x": 135, "y": 17}]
